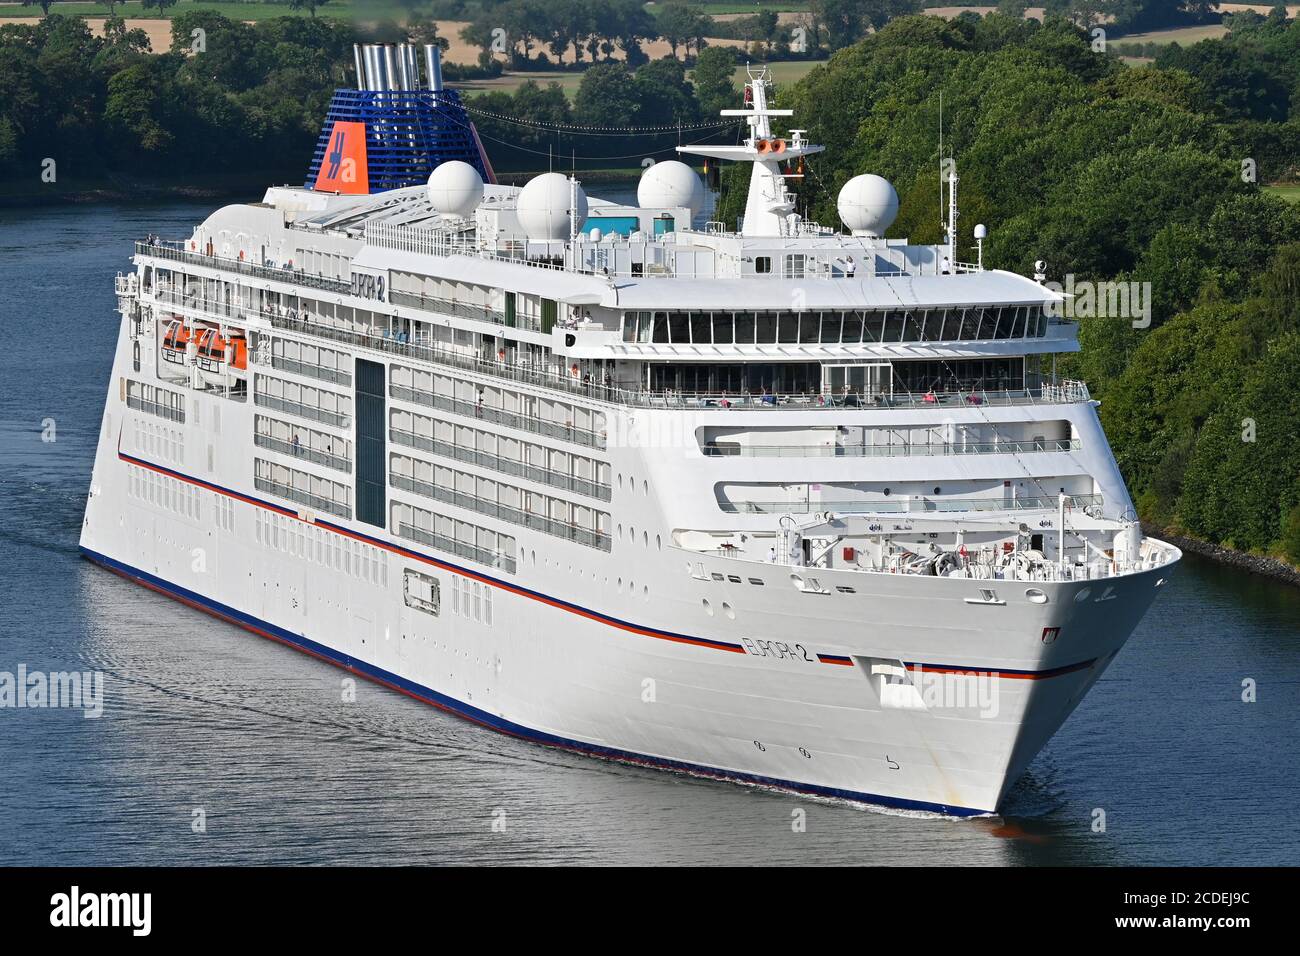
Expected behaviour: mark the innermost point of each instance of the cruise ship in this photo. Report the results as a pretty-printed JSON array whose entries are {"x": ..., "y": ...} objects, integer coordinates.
[{"x": 787, "y": 504}]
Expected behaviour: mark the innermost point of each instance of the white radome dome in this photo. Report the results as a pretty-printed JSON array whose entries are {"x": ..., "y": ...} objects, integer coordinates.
[
  {"x": 668, "y": 185},
  {"x": 455, "y": 188},
  {"x": 543, "y": 207},
  {"x": 868, "y": 205}
]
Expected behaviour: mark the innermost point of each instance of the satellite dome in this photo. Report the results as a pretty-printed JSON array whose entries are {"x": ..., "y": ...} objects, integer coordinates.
[
  {"x": 668, "y": 185},
  {"x": 543, "y": 206},
  {"x": 868, "y": 205},
  {"x": 455, "y": 188}
]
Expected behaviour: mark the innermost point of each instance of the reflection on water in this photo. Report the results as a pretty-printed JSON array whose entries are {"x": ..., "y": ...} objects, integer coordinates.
[{"x": 201, "y": 716}]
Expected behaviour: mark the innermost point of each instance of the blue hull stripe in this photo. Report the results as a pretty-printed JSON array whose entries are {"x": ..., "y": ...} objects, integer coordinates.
[{"x": 468, "y": 711}]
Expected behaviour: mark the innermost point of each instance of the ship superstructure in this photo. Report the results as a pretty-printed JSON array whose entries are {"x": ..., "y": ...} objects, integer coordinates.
[{"x": 793, "y": 505}]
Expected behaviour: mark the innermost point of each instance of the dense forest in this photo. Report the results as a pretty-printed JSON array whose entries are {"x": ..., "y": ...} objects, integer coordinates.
[{"x": 1149, "y": 174}]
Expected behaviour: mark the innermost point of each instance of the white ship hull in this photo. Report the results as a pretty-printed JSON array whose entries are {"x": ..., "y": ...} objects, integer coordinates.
[{"x": 779, "y": 694}]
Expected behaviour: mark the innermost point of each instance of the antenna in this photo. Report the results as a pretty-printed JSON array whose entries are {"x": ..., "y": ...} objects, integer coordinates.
[{"x": 941, "y": 159}]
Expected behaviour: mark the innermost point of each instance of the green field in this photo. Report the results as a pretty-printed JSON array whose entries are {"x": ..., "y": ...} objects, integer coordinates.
[
  {"x": 1181, "y": 35},
  {"x": 783, "y": 73},
  {"x": 1289, "y": 193}
]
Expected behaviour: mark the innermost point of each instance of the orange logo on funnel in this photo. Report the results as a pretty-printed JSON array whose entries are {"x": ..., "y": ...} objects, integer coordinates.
[{"x": 343, "y": 168}]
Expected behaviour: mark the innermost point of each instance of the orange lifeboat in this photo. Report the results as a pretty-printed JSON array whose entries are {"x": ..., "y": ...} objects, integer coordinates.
[
  {"x": 175, "y": 341},
  {"x": 218, "y": 353}
]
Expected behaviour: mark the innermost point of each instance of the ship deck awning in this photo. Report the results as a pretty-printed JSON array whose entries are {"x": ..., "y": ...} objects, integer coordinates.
[{"x": 882, "y": 292}]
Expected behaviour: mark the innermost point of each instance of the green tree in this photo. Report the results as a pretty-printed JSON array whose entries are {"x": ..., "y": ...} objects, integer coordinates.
[
  {"x": 308, "y": 5},
  {"x": 607, "y": 96},
  {"x": 714, "y": 89},
  {"x": 681, "y": 25}
]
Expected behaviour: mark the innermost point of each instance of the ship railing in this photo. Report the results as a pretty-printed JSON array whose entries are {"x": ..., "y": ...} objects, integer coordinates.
[
  {"x": 499, "y": 416},
  {"x": 900, "y": 450},
  {"x": 913, "y": 504},
  {"x": 507, "y": 513},
  {"x": 659, "y": 259},
  {"x": 310, "y": 369},
  {"x": 614, "y": 394},
  {"x": 471, "y": 552},
  {"x": 507, "y": 466},
  {"x": 175, "y": 251},
  {"x": 322, "y": 415},
  {"x": 453, "y": 307},
  {"x": 198, "y": 303},
  {"x": 290, "y": 493},
  {"x": 303, "y": 452}
]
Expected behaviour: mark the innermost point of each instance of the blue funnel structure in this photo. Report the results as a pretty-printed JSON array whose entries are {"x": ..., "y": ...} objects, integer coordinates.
[{"x": 395, "y": 129}]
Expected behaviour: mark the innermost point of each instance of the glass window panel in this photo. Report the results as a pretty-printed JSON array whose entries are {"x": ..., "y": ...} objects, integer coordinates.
[
  {"x": 701, "y": 328},
  {"x": 722, "y": 328},
  {"x": 788, "y": 329},
  {"x": 830, "y": 329},
  {"x": 745, "y": 327},
  {"x": 852, "y": 328}
]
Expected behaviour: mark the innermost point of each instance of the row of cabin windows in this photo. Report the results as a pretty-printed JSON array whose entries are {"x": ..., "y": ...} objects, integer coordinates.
[
  {"x": 834, "y": 328},
  {"x": 791, "y": 378}
]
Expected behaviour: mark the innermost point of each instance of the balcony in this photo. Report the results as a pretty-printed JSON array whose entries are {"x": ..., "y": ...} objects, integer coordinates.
[
  {"x": 337, "y": 419},
  {"x": 173, "y": 251},
  {"x": 493, "y": 559},
  {"x": 493, "y": 509},
  {"x": 1067, "y": 392},
  {"x": 506, "y": 466},
  {"x": 302, "y": 452},
  {"x": 289, "y": 493},
  {"x": 498, "y": 416},
  {"x": 323, "y": 373}
]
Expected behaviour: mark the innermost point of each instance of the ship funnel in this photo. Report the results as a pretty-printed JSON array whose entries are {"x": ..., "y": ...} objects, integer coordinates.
[
  {"x": 360, "y": 67},
  {"x": 388, "y": 55},
  {"x": 433, "y": 66},
  {"x": 374, "y": 68}
]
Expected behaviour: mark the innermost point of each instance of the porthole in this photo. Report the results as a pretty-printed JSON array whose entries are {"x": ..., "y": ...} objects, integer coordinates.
[
  {"x": 708, "y": 608},
  {"x": 936, "y": 489},
  {"x": 886, "y": 492},
  {"x": 728, "y": 610},
  {"x": 1036, "y": 595}
]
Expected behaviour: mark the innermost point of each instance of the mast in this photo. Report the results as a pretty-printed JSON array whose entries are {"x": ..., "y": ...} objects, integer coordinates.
[{"x": 768, "y": 207}]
